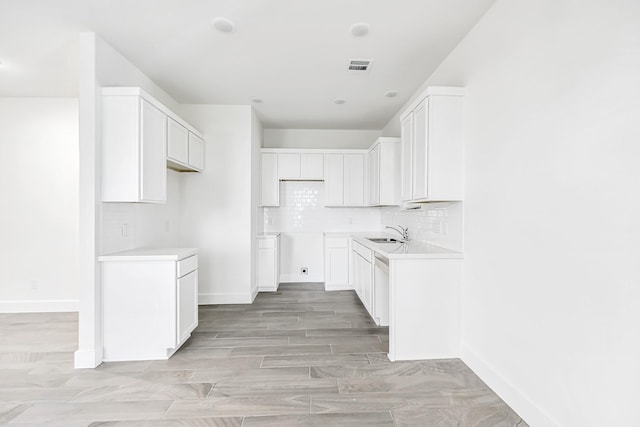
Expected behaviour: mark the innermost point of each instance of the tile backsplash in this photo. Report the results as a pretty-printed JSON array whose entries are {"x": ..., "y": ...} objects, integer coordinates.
[
  {"x": 437, "y": 223},
  {"x": 301, "y": 210}
]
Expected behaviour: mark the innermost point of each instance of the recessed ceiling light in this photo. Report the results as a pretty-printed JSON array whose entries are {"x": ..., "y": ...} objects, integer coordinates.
[
  {"x": 223, "y": 25},
  {"x": 359, "y": 29},
  {"x": 339, "y": 101},
  {"x": 255, "y": 100},
  {"x": 390, "y": 93}
]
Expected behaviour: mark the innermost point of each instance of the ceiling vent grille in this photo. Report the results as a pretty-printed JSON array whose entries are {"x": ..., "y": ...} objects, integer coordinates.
[{"x": 360, "y": 65}]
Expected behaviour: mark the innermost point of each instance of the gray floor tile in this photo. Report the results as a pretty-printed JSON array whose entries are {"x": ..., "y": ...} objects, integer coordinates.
[
  {"x": 323, "y": 420},
  {"x": 239, "y": 406},
  {"x": 282, "y": 360}
]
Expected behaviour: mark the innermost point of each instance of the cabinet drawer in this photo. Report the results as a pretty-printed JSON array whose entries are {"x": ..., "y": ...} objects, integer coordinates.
[
  {"x": 187, "y": 265},
  {"x": 364, "y": 252}
]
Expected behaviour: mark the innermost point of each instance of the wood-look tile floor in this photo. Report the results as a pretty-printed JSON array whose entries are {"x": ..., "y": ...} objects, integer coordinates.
[{"x": 297, "y": 357}]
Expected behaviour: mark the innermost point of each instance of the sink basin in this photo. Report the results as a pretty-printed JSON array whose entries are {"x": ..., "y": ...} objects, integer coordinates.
[{"x": 384, "y": 240}]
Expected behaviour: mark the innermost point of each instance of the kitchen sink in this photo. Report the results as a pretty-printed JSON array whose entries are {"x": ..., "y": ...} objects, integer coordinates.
[{"x": 384, "y": 240}]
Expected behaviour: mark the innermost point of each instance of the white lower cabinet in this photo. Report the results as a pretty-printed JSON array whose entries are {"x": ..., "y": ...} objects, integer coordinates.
[
  {"x": 361, "y": 260},
  {"x": 149, "y": 303},
  {"x": 268, "y": 276},
  {"x": 336, "y": 263}
]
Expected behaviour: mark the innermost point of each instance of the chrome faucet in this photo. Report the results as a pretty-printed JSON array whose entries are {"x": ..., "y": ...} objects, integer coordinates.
[{"x": 404, "y": 232}]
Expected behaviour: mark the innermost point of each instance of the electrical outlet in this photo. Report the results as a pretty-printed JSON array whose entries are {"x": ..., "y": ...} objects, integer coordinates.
[
  {"x": 167, "y": 226},
  {"x": 34, "y": 284},
  {"x": 304, "y": 271},
  {"x": 125, "y": 230}
]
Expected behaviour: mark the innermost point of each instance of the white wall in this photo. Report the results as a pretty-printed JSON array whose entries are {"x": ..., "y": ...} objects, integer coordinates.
[
  {"x": 320, "y": 138},
  {"x": 39, "y": 216},
  {"x": 552, "y": 285},
  {"x": 256, "y": 195},
  {"x": 217, "y": 215},
  {"x": 101, "y": 65}
]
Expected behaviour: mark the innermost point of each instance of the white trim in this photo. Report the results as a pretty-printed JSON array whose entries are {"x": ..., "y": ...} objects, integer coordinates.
[
  {"x": 296, "y": 278},
  {"x": 314, "y": 150},
  {"x": 518, "y": 400},
  {"x": 41, "y": 306},
  {"x": 338, "y": 287},
  {"x": 226, "y": 298},
  {"x": 86, "y": 359}
]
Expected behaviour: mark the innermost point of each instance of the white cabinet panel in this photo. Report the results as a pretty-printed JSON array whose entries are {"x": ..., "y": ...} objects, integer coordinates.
[
  {"x": 153, "y": 186},
  {"x": 187, "y": 305},
  {"x": 406, "y": 156},
  {"x": 268, "y": 276},
  {"x": 177, "y": 142},
  {"x": 311, "y": 166},
  {"x": 374, "y": 175},
  {"x": 354, "y": 180},
  {"x": 420, "y": 150},
  {"x": 269, "y": 182},
  {"x": 432, "y": 147},
  {"x": 336, "y": 263},
  {"x": 149, "y": 310},
  {"x": 334, "y": 180},
  {"x": 289, "y": 166},
  {"x": 196, "y": 152},
  {"x": 134, "y": 143}
]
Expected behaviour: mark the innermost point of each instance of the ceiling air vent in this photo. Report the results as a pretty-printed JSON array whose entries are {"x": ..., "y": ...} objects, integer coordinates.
[{"x": 360, "y": 65}]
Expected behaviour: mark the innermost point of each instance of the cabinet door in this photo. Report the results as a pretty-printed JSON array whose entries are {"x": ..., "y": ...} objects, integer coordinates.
[
  {"x": 196, "y": 152},
  {"x": 367, "y": 286},
  {"x": 153, "y": 184},
  {"x": 177, "y": 142},
  {"x": 270, "y": 183},
  {"x": 187, "y": 305},
  {"x": 333, "y": 180},
  {"x": 406, "y": 154},
  {"x": 374, "y": 176},
  {"x": 420, "y": 150},
  {"x": 336, "y": 261},
  {"x": 354, "y": 180},
  {"x": 311, "y": 166},
  {"x": 289, "y": 166}
]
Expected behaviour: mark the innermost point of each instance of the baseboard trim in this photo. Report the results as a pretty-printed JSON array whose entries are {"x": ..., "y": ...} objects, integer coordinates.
[
  {"x": 42, "y": 306},
  {"x": 512, "y": 395},
  {"x": 226, "y": 298},
  {"x": 86, "y": 359},
  {"x": 338, "y": 287},
  {"x": 296, "y": 278}
]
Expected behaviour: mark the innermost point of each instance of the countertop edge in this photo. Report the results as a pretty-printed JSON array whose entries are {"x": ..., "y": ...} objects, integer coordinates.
[{"x": 150, "y": 254}]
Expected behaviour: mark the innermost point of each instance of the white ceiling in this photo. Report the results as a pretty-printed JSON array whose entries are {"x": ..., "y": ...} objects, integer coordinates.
[{"x": 293, "y": 54}]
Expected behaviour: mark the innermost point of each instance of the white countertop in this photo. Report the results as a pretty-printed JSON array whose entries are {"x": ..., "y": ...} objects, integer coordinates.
[
  {"x": 412, "y": 249},
  {"x": 150, "y": 254},
  {"x": 267, "y": 235}
]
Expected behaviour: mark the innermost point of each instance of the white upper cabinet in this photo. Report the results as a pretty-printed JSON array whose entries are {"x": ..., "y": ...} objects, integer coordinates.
[
  {"x": 196, "y": 152},
  {"x": 300, "y": 166},
  {"x": 185, "y": 149},
  {"x": 270, "y": 183},
  {"x": 140, "y": 138},
  {"x": 354, "y": 179},
  {"x": 134, "y": 135},
  {"x": 344, "y": 179},
  {"x": 177, "y": 142},
  {"x": 384, "y": 172},
  {"x": 334, "y": 180},
  {"x": 432, "y": 146},
  {"x": 289, "y": 166}
]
